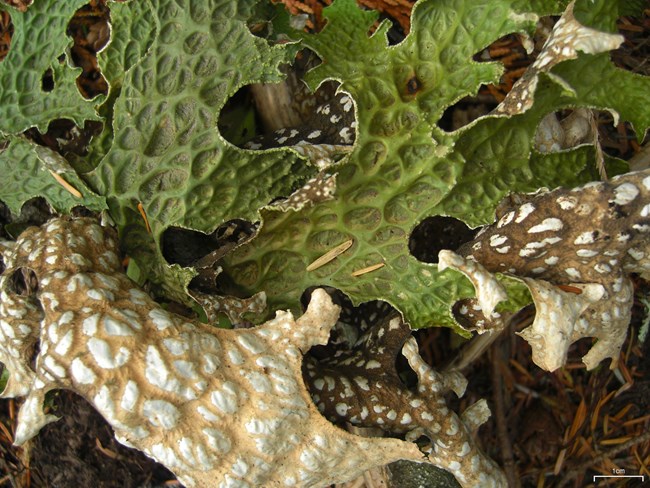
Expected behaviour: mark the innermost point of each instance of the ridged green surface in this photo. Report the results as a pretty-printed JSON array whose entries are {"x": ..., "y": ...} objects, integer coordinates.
[
  {"x": 167, "y": 152},
  {"x": 171, "y": 66},
  {"x": 133, "y": 30},
  {"x": 25, "y": 175},
  {"x": 38, "y": 41},
  {"x": 404, "y": 167}
]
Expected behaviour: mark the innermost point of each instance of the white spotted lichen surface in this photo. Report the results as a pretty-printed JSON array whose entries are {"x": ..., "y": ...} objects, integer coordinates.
[
  {"x": 574, "y": 249},
  {"x": 363, "y": 387},
  {"x": 217, "y": 407}
]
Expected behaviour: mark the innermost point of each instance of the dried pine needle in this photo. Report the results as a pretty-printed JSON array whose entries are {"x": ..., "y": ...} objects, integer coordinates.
[
  {"x": 71, "y": 189},
  {"x": 144, "y": 217},
  {"x": 330, "y": 255},
  {"x": 578, "y": 420},
  {"x": 599, "y": 405},
  {"x": 368, "y": 269},
  {"x": 613, "y": 442}
]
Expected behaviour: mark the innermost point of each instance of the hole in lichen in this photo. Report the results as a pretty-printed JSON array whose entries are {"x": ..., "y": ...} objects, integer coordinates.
[
  {"x": 203, "y": 251},
  {"x": 466, "y": 110},
  {"x": 47, "y": 81},
  {"x": 69, "y": 140},
  {"x": 6, "y": 33},
  {"x": 187, "y": 247},
  {"x": 33, "y": 358},
  {"x": 510, "y": 51},
  {"x": 238, "y": 120},
  {"x": 89, "y": 28},
  {"x": 23, "y": 282},
  {"x": 399, "y": 23},
  {"x": 434, "y": 234},
  {"x": 34, "y": 212},
  {"x": 262, "y": 116}
]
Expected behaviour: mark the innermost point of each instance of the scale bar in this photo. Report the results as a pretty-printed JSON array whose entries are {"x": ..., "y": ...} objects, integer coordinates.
[{"x": 621, "y": 476}]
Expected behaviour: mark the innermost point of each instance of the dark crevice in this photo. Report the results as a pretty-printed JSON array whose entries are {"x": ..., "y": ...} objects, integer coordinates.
[
  {"x": 33, "y": 358},
  {"x": 66, "y": 138},
  {"x": 23, "y": 282},
  {"x": 353, "y": 321},
  {"x": 47, "y": 81},
  {"x": 203, "y": 251},
  {"x": 634, "y": 53},
  {"x": 238, "y": 119},
  {"x": 434, "y": 234},
  {"x": 6, "y": 33},
  {"x": 189, "y": 247},
  {"x": 510, "y": 51},
  {"x": 261, "y": 116},
  {"x": 396, "y": 32},
  {"x": 467, "y": 109},
  {"x": 89, "y": 28},
  {"x": 34, "y": 212}
]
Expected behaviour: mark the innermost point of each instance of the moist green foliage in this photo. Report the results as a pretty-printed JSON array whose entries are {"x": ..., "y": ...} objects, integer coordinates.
[
  {"x": 25, "y": 171},
  {"x": 39, "y": 44},
  {"x": 404, "y": 167},
  {"x": 171, "y": 65},
  {"x": 167, "y": 153}
]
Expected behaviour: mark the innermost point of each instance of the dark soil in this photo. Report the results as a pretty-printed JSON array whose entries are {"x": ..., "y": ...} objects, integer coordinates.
[{"x": 80, "y": 450}]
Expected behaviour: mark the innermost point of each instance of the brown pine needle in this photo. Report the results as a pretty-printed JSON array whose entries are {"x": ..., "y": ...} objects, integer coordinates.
[
  {"x": 330, "y": 255},
  {"x": 601, "y": 402},
  {"x": 623, "y": 412},
  {"x": 6, "y": 433},
  {"x": 593, "y": 462},
  {"x": 636, "y": 421},
  {"x": 521, "y": 369},
  {"x": 144, "y": 217},
  {"x": 559, "y": 462},
  {"x": 105, "y": 451},
  {"x": 368, "y": 269},
  {"x": 642, "y": 466},
  {"x": 71, "y": 189},
  {"x": 578, "y": 420},
  {"x": 619, "y": 440}
]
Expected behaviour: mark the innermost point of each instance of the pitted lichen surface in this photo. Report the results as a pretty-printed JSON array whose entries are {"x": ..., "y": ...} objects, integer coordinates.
[
  {"x": 217, "y": 407},
  {"x": 38, "y": 41},
  {"x": 26, "y": 173},
  {"x": 404, "y": 168},
  {"x": 172, "y": 65}
]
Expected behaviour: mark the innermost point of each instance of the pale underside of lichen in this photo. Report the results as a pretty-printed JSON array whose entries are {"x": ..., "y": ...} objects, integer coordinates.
[
  {"x": 217, "y": 407},
  {"x": 567, "y": 38},
  {"x": 587, "y": 240},
  {"x": 362, "y": 386}
]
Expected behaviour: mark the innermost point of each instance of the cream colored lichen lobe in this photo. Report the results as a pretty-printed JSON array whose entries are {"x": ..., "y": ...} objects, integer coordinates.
[{"x": 217, "y": 407}]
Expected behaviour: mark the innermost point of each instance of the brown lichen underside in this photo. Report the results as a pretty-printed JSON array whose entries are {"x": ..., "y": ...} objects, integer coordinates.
[
  {"x": 588, "y": 240},
  {"x": 362, "y": 386},
  {"x": 219, "y": 408}
]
